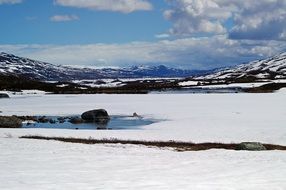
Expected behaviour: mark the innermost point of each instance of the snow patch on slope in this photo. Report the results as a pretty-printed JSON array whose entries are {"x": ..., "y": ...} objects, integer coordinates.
[{"x": 271, "y": 68}]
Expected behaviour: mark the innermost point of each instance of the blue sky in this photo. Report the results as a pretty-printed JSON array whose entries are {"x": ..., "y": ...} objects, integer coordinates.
[
  {"x": 29, "y": 23},
  {"x": 194, "y": 34}
]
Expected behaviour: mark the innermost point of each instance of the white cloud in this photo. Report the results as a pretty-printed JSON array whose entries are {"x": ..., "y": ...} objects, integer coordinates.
[
  {"x": 259, "y": 19},
  {"x": 283, "y": 35},
  {"x": 161, "y": 36},
  {"x": 252, "y": 19},
  {"x": 195, "y": 53},
  {"x": 64, "y": 18},
  {"x": 124, "y": 6},
  {"x": 10, "y": 1},
  {"x": 196, "y": 16}
]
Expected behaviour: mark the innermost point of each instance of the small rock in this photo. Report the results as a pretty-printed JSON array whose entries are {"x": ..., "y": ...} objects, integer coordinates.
[
  {"x": 10, "y": 122},
  {"x": 51, "y": 121},
  {"x": 76, "y": 120},
  {"x": 102, "y": 127},
  {"x": 27, "y": 118},
  {"x": 135, "y": 115},
  {"x": 61, "y": 119},
  {"x": 251, "y": 146},
  {"x": 4, "y": 95},
  {"x": 28, "y": 123},
  {"x": 43, "y": 119}
]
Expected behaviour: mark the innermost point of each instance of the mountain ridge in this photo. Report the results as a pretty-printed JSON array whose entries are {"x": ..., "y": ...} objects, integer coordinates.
[
  {"x": 270, "y": 68},
  {"x": 14, "y": 65}
]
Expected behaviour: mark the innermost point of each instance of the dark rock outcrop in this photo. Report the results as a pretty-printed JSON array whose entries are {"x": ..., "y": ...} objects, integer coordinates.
[
  {"x": 97, "y": 116},
  {"x": 10, "y": 122}
]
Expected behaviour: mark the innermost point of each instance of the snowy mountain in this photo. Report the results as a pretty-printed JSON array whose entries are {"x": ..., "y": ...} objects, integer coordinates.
[
  {"x": 19, "y": 66},
  {"x": 14, "y": 65},
  {"x": 270, "y": 68}
]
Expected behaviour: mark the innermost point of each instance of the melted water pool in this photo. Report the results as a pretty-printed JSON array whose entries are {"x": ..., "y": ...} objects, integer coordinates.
[{"x": 115, "y": 123}]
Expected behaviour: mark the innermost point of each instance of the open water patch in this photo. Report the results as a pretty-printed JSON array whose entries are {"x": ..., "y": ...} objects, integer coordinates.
[{"x": 116, "y": 122}]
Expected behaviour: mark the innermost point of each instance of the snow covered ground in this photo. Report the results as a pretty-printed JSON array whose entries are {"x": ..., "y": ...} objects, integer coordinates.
[
  {"x": 231, "y": 85},
  {"x": 119, "y": 81},
  {"x": 236, "y": 85},
  {"x": 33, "y": 164}
]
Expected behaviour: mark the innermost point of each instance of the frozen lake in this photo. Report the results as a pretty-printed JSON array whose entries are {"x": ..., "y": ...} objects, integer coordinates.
[
  {"x": 226, "y": 118},
  {"x": 34, "y": 164}
]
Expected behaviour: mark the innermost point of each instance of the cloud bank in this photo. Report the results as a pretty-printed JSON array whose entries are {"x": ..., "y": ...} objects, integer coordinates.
[
  {"x": 63, "y": 18},
  {"x": 195, "y": 53},
  {"x": 10, "y": 1},
  {"x": 246, "y": 19},
  {"x": 124, "y": 6}
]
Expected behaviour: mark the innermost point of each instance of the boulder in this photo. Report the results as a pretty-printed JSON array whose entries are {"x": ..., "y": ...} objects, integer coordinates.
[
  {"x": 97, "y": 116},
  {"x": 4, "y": 95},
  {"x": 10, "y": 122},
  {"x": 251, "y": 146}
]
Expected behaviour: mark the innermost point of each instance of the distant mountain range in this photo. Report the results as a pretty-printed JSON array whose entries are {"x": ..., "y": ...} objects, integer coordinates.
[
  {"x": 270, "y": 68},
  {"x": 19, "y": 66}
]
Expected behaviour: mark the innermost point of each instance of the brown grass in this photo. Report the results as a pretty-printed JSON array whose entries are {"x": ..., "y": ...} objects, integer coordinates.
[{"x": 176, "y": 145}]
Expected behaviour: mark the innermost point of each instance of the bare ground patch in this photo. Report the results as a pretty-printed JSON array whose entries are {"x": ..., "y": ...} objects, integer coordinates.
[{"x": 176, "y": 145}]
